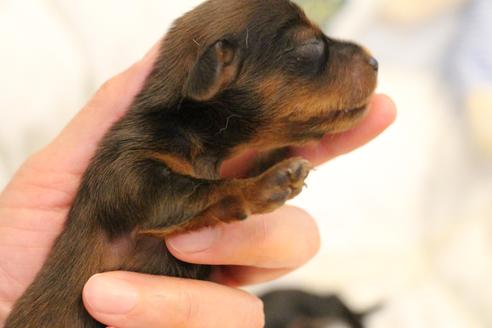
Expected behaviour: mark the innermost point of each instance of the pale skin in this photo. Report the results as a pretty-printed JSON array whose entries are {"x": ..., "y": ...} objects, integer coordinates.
[{"x": 34, "y": 206}]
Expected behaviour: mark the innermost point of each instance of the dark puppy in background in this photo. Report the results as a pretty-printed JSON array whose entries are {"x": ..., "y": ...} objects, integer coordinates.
[
  {"x": 231, "y": 75},
  {"x": 293, "y": 308}
]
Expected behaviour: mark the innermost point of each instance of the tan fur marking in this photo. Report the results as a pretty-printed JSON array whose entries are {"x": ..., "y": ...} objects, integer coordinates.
[{"x": 176, "y": 164}]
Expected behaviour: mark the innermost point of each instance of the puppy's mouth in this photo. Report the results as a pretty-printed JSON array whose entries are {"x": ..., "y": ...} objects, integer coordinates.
[
  {"x": 346, "y": 116},
  {"x": 348, "y": 113},
  {"x": 329, "y": 122},
  {"x": 344, "y": 119}
]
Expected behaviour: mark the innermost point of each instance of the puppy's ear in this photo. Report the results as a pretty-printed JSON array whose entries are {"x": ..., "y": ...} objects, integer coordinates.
[{"x": 213, "y": 71}]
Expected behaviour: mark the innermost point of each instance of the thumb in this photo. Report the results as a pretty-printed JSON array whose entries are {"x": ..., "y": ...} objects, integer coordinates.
[{"x": 127, "y": 300}]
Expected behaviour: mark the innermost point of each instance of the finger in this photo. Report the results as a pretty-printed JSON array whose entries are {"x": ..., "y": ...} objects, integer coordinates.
[
  {"x": 284, "y": 239},
  {"x": 238, "y": 275},
  {"x": 128, "y": 300},
  {"x": 75, "y": 145},
  {"x": 381, "y": 114},
  {"x": 238, "y": 166}
]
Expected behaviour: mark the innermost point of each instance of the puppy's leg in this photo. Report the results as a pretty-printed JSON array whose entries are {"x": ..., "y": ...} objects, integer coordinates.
[
  {"x": 200, "y": 203},
  {"x": 231, "y": 200}
]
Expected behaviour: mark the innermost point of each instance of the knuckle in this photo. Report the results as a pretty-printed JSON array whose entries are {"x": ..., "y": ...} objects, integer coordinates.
[
  {"x": 308, "y": 240},
  {"x": 313, "y": 238},
  {"x": 262, "y": 232},
  {"x": 108, "y": 85},
  {"x": 304, "y": 240},
  {"x": 188, "y": 307},
  {"x": 110, "y": 88},
  {"x": 255, "y": 314},
  {"x": 262, "y": 240}
]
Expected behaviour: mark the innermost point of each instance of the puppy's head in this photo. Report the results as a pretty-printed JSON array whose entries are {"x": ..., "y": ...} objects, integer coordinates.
[{"x": 272, "y": 67}]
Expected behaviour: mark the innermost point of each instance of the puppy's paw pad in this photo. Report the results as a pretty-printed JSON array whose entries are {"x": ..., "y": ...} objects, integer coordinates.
[
  {"x": 298, "y": 172},
  {"x": 291, "y": 173},
  {"x": 282, "y": 182}
]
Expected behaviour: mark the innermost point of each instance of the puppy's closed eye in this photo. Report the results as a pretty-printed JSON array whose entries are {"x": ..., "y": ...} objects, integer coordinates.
[{"x": 307, "y": 58}]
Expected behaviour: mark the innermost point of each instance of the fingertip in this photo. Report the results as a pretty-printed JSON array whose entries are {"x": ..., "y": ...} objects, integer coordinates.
[
  {"x": 380, "y": 115},
  {"x": 384, "y": 109},
  {"x": 106, "y": 294}
]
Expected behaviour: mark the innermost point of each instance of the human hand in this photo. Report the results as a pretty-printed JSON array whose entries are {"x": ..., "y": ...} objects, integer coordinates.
[{"x": 35, "y": 204}]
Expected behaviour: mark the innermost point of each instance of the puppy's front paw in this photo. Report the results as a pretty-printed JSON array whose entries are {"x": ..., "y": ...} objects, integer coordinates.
[{"x": 279, "y": 184}]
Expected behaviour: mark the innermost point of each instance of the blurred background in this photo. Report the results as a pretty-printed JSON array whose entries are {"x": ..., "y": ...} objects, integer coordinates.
[{"x": 406, "y": 221}]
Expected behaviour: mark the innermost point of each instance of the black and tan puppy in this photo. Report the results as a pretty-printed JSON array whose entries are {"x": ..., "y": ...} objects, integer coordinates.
[
  {"x": 293, "y": 308},
  {"x": 231, "y": 75}
]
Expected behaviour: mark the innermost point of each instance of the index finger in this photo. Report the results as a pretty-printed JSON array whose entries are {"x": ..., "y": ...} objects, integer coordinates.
[{"x": 381, "y": 114}]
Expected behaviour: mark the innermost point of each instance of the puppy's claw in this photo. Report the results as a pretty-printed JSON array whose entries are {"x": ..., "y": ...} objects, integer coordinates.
[{"x": 282, "y": 182}]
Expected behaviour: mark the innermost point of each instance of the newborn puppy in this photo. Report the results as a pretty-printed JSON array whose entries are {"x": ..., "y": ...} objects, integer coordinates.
[
  {"x": 231, "y": 75},
  {"x": 293, "y": 308}
]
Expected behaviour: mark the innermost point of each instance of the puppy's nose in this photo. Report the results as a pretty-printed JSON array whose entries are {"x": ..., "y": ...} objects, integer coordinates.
[{"x": 374, "y": 63}]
